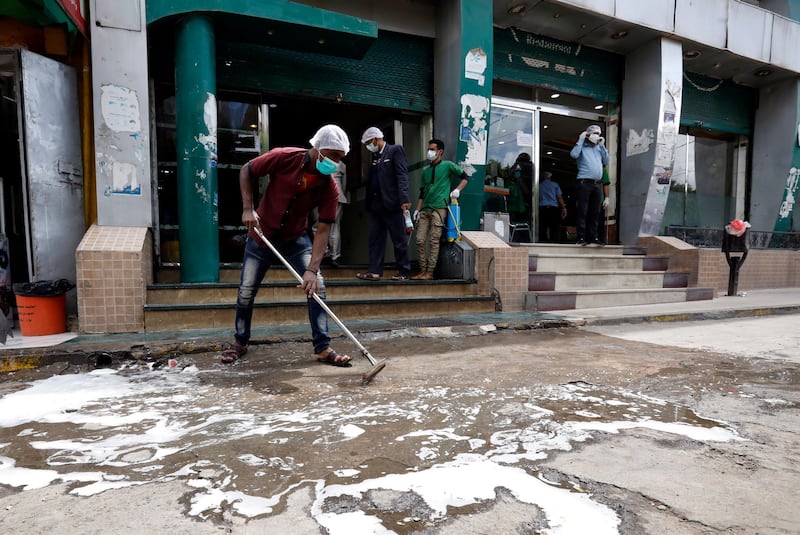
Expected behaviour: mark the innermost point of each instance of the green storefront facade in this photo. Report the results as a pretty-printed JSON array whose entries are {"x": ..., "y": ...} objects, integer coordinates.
[{"x": 328, "y": 66}]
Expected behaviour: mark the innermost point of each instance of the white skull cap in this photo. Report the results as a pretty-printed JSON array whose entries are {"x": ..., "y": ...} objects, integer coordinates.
[
  {"x": 331, "y": 137},
  {"x": 371, "y": 133},
  {"x": 594, "y": 129}
]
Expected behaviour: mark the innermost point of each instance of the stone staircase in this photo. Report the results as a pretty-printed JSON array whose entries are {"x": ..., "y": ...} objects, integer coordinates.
[
  {"x": 566, "y": 277},
  {"x": 175, "y": 306}
]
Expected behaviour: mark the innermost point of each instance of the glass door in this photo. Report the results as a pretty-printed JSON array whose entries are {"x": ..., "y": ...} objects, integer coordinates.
[
  {"x": 528, "y": 141},
  {"x": 510, "y": 186}
]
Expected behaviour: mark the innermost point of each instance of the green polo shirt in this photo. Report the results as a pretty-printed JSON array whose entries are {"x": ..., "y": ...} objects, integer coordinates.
[{"x": 437, "y": 183}]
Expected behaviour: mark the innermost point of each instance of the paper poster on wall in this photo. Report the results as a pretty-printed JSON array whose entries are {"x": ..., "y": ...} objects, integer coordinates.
[
  {"x": 120, "y": 108},
  {"x": 124, "y": 180},
  {"x": 475, "y": 65},
  {"x": 473, "y": 130},
  {"x": 523, "y": 139},
  {"x": 639, "y": 143}
]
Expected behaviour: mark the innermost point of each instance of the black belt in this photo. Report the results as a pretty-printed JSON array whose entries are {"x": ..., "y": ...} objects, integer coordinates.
[{"x": 589, "y": 180}]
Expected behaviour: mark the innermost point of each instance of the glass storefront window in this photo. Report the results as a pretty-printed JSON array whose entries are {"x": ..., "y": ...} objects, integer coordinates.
[
  {"x": 704, "y": 181},
  {"x": 241, "y": 135}
]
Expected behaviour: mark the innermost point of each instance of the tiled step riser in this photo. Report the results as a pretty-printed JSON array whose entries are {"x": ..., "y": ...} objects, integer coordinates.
[
  {"x": 268, "y": 294},
  {"x": 587, "y": 263},
  {"x": 275, "y": 274},
  {"x": 543, "y": 302},
  {"x": 575, "y": 250},
  {"x": 265, "y": 316},
  {"x": 610, "y": 281},
  {"x": 638, "y": 298}
]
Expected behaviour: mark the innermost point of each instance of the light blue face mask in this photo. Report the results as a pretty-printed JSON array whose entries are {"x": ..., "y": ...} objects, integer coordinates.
[{"x": 326, "y": 166}]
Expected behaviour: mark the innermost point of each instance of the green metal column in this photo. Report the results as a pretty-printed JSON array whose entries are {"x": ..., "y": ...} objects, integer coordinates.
[
  {"x": 476, "y": 36},
  {"x": 196, "y": 147}
]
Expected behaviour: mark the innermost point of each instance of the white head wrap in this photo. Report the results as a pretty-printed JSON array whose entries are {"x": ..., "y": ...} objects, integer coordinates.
[
  {"x": 372, "y": 132},
  {"x": 331, "y": 137}
]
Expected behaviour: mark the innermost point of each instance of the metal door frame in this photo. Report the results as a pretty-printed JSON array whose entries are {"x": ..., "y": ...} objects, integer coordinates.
[{"x": 536, "y": 109}]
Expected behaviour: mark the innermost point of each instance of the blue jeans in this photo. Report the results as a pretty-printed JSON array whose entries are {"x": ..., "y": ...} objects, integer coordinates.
[{"x": 257, "y": 260}]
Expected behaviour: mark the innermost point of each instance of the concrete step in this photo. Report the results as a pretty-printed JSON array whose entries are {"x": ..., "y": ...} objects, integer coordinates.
[
  {"x": 286, "y": 290},
  {"x": 232, "y": 273},
  {"x": 164, "y": 317},
  {"x": 578, "y": 299},
  {"x": 572, "y": 249},
  {"x": 583, "y": 280},
  {"x": 600, "y": 261}
]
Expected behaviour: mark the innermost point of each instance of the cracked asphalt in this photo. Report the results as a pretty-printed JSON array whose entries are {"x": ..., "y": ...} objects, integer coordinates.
[{"x": 689, "y": 428}]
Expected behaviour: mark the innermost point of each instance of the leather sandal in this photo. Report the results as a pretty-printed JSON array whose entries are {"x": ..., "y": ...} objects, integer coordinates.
[{"x": 335, "y": 359}]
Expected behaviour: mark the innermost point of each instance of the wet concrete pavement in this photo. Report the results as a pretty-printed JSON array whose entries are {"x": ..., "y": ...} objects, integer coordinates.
[{"x": 560, "y": 430}]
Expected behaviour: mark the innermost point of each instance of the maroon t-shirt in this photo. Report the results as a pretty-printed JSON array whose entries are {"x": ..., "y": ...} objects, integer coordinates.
[{"x": 292, "y": 193}]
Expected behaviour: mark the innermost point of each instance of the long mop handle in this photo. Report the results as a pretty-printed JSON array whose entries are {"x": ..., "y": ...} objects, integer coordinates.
[{"x": 316, "y": 298}]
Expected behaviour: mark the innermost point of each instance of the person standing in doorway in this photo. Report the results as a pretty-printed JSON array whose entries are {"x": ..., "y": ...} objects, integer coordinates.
[
  {"x": 299, "y": 181},
  {"x": 521, "y": 186},
  {"x": 602, "y": 231},
  {"x": 592, "y": 156},
  {"x": 387, "y": 199},
  {"x": 552, "y": 209},
  {"x": 436, "y": 190}
]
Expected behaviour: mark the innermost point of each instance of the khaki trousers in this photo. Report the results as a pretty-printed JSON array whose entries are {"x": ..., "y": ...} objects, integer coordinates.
[{"x": 429, "y": 234}]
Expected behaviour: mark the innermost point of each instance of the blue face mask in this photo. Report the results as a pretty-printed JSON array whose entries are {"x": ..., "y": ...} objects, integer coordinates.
[{"x": 326, "y": 166}]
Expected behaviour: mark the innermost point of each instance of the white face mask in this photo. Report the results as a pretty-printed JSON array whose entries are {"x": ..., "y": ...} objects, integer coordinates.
[
  {"x": 373, "y": 147},
  {"x": 432, "y": 155},
  {"x": 594, "y": 138}
]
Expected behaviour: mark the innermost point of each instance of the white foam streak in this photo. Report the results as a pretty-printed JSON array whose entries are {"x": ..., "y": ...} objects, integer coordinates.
[{"x": 469, "y": 480}]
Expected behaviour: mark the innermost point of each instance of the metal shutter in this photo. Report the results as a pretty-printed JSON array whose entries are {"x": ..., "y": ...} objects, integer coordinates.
[
  {"x": 719, "y": 105},
  {"x": 396, "y": 72}
]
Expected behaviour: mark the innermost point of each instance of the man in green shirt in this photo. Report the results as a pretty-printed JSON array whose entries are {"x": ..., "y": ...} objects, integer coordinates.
[{"x": 431, "y": 213}]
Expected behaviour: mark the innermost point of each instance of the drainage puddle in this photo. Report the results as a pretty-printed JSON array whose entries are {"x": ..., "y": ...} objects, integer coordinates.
[{"x": 377, "y": 462}]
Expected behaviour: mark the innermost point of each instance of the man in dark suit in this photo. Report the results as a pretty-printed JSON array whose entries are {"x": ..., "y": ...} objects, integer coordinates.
[{"x": 387, "y": 199}]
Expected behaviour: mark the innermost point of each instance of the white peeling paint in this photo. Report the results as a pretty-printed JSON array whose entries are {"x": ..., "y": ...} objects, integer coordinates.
[{"x": 209, "y": 139}]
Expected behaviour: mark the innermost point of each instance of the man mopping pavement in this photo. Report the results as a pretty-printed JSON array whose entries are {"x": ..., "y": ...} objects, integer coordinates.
[{"x": 300, "y": 180}]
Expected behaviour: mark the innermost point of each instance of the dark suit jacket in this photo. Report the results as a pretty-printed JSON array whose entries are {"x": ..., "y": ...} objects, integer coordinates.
[{"x": 390, "y": 172}]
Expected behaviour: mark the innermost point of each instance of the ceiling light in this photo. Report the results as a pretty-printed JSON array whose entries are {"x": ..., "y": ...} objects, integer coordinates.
[
  {"x": 501, "y": 142},
  {"x": 545, "y": 126},
  {"x": 691, "y": 54},
  {"x": 762, "y": 73},
  {"x": 549, "y": 152},
  {"x": 253, "y": 126},
  {"x": 228, "y": 63},
  {"x": 555, "y": 95},
  {"x": 518, "y": 8},
  {"x": 599, "y": 107},
  {"x": 620, "y": 34}
]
